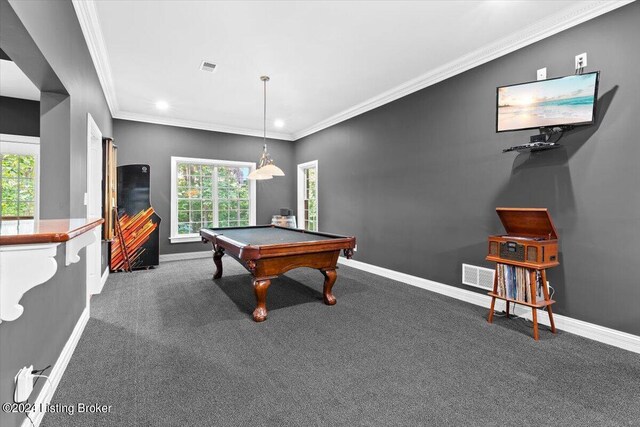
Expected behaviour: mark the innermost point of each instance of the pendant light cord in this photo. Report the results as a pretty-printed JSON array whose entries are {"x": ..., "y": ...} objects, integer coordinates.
[{"x": 264, "y": 79}]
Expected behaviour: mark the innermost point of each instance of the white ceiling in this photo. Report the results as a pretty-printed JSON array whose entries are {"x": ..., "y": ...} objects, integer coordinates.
[
  {"x": 15, "y": 84},
  {"x": 327, "y": 60}
]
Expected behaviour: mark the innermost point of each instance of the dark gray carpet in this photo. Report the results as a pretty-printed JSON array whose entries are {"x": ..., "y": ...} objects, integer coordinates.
[{"x": 171, "y": 347}]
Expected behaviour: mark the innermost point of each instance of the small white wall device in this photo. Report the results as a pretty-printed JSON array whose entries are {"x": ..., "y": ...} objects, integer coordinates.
[
  {"x": 542, "y": 74},
  {"x": 24, "y": 384},
  {"x": 581, "y": 60}
]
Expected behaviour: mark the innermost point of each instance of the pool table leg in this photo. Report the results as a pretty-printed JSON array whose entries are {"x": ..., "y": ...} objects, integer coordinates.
[
  {"x": 329, "y": 279},
  {"x": 217, "y": 260},
  {"x": 260, "y": 288}
]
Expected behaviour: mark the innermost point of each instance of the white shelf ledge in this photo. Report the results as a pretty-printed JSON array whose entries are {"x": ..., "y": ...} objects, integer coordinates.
[{"x": 23, "y": 267}]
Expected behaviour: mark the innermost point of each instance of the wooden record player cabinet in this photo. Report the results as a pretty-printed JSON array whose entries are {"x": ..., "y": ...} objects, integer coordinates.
[{"x": 531, "y": 242}]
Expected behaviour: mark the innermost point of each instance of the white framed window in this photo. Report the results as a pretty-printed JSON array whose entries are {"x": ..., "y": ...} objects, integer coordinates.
[
  {"x": 308, "y": 195},
  {"x": 209, "y": 193},
  {"x": 19, "y": 177}
]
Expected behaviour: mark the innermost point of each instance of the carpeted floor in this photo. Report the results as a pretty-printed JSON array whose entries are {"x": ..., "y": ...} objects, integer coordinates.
[{"x": 170, "y": 347}]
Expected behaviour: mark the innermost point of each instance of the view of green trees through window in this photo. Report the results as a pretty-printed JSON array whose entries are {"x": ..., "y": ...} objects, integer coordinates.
[
  {"x": 18, "y": 178},
  {"x": 212, "y": 196},
  {"x": 310, "y": 200}
]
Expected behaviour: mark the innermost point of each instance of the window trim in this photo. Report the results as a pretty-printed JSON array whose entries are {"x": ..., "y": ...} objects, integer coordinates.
[
  {"x": 174, "y": 237},
  {"x": 301, "y": 168},
  {"x": 26, "y": 145}
]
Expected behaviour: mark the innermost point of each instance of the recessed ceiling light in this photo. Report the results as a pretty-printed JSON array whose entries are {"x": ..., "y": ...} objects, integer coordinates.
[
  {"x": 162, "y": 105},
  {"x": 208, "y": 66},
  {"x": 278, "y": 123}
]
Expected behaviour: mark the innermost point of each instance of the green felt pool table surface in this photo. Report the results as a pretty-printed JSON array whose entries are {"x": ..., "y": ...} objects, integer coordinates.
[
  {"x": 268, "y": 251},
  {"x": 267, "y": 235}
]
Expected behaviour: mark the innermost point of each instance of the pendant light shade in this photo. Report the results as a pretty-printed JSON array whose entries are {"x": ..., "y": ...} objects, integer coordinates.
[
  {"x": 259, "y": 175},
  {"x": 272, "y": 170},
  {"x": 266, "y": 169}
]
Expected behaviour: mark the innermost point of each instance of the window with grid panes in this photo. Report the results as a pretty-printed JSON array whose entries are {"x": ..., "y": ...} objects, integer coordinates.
[
  {"x": 211, "y": 194},
  {"x": 18, "y": 178}
]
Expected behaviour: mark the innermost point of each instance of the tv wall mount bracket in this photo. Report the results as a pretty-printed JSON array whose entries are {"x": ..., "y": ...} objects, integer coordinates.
[{"x": 547, "y": 139}]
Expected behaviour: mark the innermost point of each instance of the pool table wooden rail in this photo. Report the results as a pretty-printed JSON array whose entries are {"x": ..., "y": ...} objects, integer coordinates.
[
  {"x": 266, "y": 262},
  {"x": 253, "y": 252}
]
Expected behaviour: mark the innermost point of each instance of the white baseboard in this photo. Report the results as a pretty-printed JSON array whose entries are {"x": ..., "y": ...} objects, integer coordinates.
[
  {"x": 578, "y": 327},
  {"x": 59, "y": 367},
  {"x": 185, "y": 255},
  {"x": 103, "y": 280}
]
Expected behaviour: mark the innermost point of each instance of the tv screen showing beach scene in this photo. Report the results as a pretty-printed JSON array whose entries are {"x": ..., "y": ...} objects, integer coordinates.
[{"x": 546, "y": 103}]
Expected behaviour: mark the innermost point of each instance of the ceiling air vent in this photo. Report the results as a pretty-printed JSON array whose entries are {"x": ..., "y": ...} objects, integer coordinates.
[{"x": 208, "y": 66}]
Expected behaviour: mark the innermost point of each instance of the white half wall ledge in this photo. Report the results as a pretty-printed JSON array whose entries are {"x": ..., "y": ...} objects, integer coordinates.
[
  {"x": 23, "y": 267},
  {"x": 74, "y": 245}
]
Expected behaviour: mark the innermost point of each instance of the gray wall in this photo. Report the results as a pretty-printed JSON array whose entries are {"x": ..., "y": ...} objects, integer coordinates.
[
  {"x": 45, "y": 40},
  {"x": 51, "y": 311},
  {"x": 55, "y": 29},
  {"x": 19, "y": 116},
  {"x": 417, "y": 180},
  {"x": 155, "y": 144}
]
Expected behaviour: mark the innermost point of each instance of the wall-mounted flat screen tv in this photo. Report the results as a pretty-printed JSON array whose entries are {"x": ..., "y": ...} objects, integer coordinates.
[{"x": 563, "y": 101}]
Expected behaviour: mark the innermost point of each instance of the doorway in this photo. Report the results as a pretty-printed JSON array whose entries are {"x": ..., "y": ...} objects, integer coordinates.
[
  {"x": 93, "y": 201},
  {"x": 308, "y": 196}
]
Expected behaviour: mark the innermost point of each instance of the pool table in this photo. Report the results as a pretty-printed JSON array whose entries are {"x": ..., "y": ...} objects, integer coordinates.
[{"x": 268, "y": 251}]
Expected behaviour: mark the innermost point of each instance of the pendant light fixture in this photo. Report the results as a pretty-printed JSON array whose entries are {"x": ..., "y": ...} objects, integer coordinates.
[{"x": 266, "y": 169}]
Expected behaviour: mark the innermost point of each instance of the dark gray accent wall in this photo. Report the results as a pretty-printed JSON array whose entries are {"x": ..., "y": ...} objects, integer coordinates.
[
  {"x": 154, "y": 145},
  {"x": 19, "y": 116},
  {"x": 45, "y": 40},
  {"x": 417, "y": 181}
]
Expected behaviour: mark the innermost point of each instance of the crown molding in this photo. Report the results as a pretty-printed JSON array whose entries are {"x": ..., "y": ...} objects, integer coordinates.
[
  {"x": 193, "y": 124},
  {"x": 584, "y": 11},
  {"x": 540, "y": 30},
  {"x": 90, "y": 25}
]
